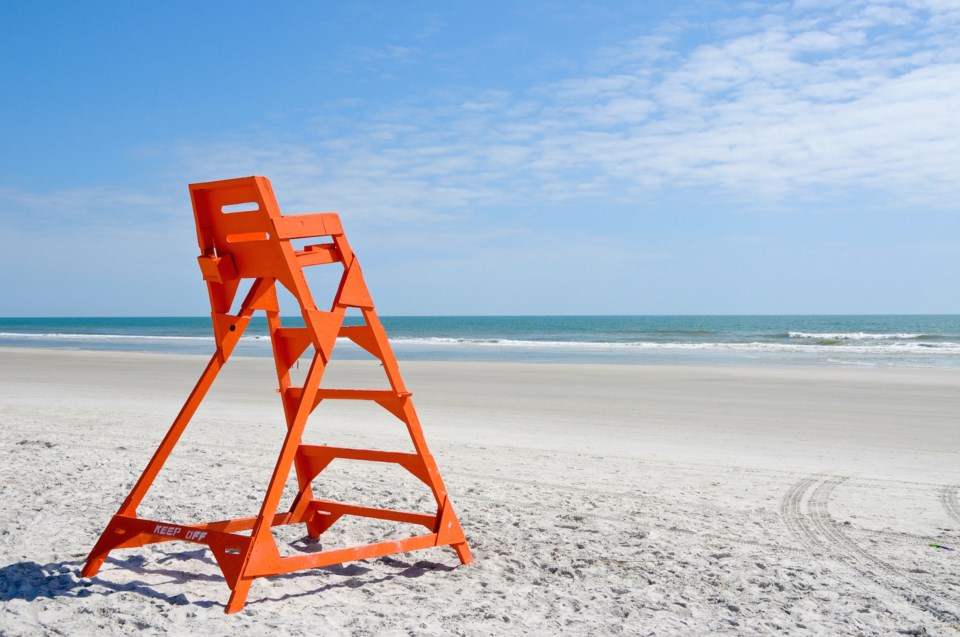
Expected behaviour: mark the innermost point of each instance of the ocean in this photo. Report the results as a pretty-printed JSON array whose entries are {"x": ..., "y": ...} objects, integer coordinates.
[{"x": 907, "y": 340}]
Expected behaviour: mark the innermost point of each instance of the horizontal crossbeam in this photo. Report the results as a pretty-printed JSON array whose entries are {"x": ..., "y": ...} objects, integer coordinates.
[
  {"x": 338, "y": 556},
  {"x": 428, "y": 520},
  {"x": 142, "y": 531}
]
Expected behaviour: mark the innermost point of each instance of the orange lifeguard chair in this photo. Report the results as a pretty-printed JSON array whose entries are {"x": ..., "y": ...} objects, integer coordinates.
[{"x": 256, "y": 244}]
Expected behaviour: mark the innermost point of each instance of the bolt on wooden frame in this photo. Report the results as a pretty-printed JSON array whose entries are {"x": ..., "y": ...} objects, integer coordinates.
[{"x": 254, "y": 242}]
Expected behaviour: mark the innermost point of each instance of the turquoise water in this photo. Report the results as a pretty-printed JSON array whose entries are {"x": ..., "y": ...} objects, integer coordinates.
[{"x": 908, "y": 340}]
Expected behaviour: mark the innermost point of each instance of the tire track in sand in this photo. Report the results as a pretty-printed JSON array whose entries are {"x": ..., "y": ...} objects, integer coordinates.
[
  {"x": 808, "y": 518},
  {"x": 792, "y": 515},
  {"x": 950, "y": 499}
]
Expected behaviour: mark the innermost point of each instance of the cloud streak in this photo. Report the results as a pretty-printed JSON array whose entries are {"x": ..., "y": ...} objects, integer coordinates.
[
  {"x": 796, "y": 103},
  {"x": 780, "y": 106}
]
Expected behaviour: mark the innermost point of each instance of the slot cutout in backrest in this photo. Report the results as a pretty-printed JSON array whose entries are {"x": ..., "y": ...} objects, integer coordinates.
[
  {"x": 244, "y": 237},
  {"x": 247, "y": 206}
]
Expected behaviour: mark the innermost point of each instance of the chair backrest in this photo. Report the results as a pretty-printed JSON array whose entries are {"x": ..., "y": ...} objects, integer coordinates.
[
  {"x": 235, "y": 219},
  {"x": 242, "y": 235}
]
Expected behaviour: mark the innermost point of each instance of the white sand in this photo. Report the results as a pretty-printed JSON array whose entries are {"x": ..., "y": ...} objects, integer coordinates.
[{"x": 597, "y": 499}]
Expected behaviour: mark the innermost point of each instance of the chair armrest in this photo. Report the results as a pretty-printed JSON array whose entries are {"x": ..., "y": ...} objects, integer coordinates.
[{"x": 317, "y": 224}]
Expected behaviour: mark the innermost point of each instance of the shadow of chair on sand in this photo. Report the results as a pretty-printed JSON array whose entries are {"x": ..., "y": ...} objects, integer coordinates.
[{"x": 30, "y": 580}]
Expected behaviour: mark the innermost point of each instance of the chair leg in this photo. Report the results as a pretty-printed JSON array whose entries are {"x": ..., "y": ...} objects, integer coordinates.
[
  {"x": 239, "y": 595},
  {"x": 463, "y": 552}
]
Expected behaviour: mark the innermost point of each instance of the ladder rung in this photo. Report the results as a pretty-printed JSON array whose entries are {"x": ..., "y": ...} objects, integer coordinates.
[
  {"x": 345, "y": 453},
  {"x": 316, "y": 458},
  {"x": 351, "y": 394}
]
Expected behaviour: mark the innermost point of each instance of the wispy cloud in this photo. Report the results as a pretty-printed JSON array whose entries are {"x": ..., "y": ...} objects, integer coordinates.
[
  {"x": 782, "y": 103},
  {"x": 791, "y": 101}
]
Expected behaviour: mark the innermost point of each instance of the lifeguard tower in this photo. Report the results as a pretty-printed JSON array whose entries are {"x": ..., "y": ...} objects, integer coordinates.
[{"x": 256, "y": 243}]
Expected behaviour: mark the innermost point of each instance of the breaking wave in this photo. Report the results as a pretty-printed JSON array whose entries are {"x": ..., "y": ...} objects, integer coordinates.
[
  {"x": 855, "y": 336},
  {"x": 756, "y": 346}
]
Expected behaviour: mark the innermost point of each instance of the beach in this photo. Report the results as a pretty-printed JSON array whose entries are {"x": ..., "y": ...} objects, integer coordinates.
[{"x": 597, "y": 499}]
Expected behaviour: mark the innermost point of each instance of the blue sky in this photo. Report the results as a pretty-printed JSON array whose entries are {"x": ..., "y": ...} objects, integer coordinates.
[{"x": 496, "y": 157}]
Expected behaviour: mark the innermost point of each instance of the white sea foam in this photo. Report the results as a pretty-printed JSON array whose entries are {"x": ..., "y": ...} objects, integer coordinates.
[
  {"x": 117, "y": 337},
  {"x": 100, "y": 337},
  {"x": 860, "y": 343},
  {"x": 878, "y": 348},
  {"x": 853, "y": 336}
]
